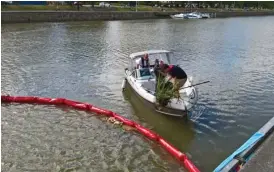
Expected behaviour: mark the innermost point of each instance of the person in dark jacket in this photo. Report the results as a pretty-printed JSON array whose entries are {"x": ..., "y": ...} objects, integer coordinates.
[{"x": 177, "y": 76}]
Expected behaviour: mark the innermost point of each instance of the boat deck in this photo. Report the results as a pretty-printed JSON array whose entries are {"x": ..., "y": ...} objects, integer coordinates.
[{"x": 149, "y": 86}]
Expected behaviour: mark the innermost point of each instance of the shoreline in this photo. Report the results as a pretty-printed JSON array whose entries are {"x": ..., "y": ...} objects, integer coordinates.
[
  {"x": 259, "y": 144},
  {"x": 64, "y": 16}
]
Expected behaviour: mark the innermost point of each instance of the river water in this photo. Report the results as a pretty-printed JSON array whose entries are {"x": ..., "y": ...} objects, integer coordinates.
[{"x": 84, "y": 61}]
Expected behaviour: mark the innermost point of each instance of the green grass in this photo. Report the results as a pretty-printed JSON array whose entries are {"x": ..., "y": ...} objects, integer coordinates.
[
  {"x": 66, "y": 7},
  {"x": 37, "y": 7},
  {"x": 118, "y": 7}
]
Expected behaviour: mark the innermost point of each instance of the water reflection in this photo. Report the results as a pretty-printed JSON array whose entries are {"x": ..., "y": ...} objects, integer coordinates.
[{"x": 179, "y": 131}]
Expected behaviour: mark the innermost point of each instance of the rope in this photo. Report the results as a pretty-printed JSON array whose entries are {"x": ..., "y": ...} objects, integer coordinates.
[{"x": 183, "y": 159}]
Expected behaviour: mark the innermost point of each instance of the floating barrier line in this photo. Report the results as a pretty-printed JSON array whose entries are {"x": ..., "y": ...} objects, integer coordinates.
[{"x": 183, "y": 159}]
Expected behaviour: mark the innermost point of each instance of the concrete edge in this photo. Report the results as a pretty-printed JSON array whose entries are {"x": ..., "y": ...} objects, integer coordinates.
[{"x": 267, "y": 129}]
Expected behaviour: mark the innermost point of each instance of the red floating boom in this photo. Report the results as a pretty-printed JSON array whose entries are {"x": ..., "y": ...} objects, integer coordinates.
[{"x": 90, "y": 108}]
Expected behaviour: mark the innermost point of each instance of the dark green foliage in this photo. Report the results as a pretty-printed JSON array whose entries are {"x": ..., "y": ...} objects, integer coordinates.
[
  {"x": 219, "y": 4},
  {"x": 164, "y": 91}
]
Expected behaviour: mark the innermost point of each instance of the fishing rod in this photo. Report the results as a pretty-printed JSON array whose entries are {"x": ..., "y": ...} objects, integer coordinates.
[{"x": 195, "y": 84}]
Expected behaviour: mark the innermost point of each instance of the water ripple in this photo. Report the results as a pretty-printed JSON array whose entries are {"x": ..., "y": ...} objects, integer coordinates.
[
  {"x": 85, "y": 61},
  {"x": 71, "y": 141}
]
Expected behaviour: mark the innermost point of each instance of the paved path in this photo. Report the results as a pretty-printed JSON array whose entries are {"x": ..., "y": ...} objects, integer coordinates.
[{"x": 263, "y": 158}]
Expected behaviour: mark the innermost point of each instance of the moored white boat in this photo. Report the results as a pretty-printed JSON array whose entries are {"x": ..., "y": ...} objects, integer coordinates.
[
  {"x": 178, "y": 16},
  {"x": 193, "y": 15},
  {"x": 143, "y": 81}
]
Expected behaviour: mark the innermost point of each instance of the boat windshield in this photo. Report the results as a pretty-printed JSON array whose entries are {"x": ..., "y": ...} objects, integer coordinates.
[
  {"x": 144, "y": 73},
  {"x": 165, "y": 57}
]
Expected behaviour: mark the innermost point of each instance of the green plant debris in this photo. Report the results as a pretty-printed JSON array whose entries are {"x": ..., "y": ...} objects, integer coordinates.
[{"x": 164, "y": 91}]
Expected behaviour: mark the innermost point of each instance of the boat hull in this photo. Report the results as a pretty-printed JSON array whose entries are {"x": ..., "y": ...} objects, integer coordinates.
[
  {"x": 174, "y": 108},
  {"x": 165, "y": 111},
  {"x": 190, "y": 16},
  {"x": 177, "y": 17}
]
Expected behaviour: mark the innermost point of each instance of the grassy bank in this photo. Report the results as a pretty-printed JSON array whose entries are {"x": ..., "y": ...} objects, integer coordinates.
[
  {"x": 37, "y": 8},
  {"x": 74, "y": 8},
  {"x": 115, "y": 7}
]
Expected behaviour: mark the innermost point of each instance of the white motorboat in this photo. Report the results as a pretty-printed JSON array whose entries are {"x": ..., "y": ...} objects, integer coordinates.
[
  {"x": 178, "y": 16},
  {"x": 194, "y": 15},
  {"x": 143, "y": 82}
]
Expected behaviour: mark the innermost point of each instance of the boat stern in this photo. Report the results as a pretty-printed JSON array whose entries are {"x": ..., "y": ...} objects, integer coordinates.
[{"x": 188, "y": 97}]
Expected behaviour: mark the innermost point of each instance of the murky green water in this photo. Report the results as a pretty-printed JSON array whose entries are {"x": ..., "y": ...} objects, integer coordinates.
[{"x": 84, "y": 61}]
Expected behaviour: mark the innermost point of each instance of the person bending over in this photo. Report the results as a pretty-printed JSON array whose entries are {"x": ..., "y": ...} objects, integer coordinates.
[{"x": 177, "y": 76}]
